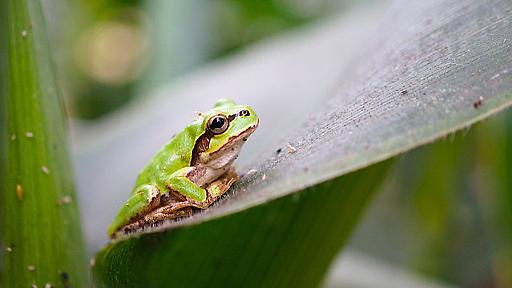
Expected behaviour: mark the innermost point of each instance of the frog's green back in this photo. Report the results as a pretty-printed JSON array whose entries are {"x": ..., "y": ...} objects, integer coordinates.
[{"x": 176, "y": 154}]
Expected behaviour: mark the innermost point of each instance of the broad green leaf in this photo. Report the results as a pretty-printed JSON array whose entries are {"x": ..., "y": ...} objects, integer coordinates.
[
  {"x": 287, "y": 243},
  {"x": 430, "y": 69},
  {"x": 421, "y": 83},
  {"x": 41, "y": 233}
]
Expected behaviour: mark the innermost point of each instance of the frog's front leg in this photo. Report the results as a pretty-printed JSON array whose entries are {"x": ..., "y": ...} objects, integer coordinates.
[
  {"x": 186, "y": 182},
  {"x": 217, "y": 188}
]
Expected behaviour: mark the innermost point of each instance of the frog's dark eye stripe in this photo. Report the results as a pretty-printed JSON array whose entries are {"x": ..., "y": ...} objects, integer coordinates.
[
  {"x": 232, "y": 117},
  {"x": 244, "y": 113},
  {"x": 218, "y": 124}
]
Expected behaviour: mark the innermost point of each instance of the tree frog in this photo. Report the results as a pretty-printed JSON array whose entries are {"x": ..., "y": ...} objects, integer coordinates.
[{"x": 191, "y": 171}]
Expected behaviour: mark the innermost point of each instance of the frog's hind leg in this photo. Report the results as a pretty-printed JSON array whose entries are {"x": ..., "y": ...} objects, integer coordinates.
[
  {"x": 169, "y": 212},
  {"x": 174, "y": 204},
  {"x": 145, "y": 199}
]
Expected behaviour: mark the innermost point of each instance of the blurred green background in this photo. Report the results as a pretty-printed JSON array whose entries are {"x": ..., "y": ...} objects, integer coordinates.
[
  {"x": 113, "y": 57},
  {"x": 446, "y": 210}
]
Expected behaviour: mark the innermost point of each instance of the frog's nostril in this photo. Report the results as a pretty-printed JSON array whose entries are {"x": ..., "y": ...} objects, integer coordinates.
[{"x": 244, "y": 113}]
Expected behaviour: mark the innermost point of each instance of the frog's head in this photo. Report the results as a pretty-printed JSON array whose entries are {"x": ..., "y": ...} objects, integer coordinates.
[{"x": 228, "y": 126}]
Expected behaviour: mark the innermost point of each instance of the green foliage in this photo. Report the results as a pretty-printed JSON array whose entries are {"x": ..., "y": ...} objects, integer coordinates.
[
  {"x": 289, "y": 242},
  {"x": 41, "y": 234},
  {"x": 494, "y": 191},
  {"x": 416, "y": 85},
  {"x": 448, "y": 206},
  {"x": 421, "y": 84}
]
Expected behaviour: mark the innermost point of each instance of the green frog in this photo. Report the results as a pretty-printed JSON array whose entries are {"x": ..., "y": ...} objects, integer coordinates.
[{"x": 193, "y": 170}]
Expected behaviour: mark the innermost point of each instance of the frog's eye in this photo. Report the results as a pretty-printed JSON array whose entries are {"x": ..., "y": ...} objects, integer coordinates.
[
  {"x": 244, "y": 113},
  {"x": 218, "y": 124}
]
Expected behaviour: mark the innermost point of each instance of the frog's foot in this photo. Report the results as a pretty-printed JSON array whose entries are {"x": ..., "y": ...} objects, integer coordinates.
[{"x": 216, "y": 189}]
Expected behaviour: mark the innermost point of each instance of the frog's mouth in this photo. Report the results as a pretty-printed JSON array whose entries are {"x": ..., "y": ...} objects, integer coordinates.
[
  {"x": 242, "y": 136},
  {"x": 245, "y": 134},
  {"x": 235, "y": 142}
]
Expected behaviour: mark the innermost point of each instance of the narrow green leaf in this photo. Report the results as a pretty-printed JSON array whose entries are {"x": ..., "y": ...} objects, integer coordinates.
[{"x": 41, "y": 234}]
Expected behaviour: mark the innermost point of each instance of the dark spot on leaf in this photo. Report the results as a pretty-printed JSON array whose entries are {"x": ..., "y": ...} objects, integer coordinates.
[{"x": 478, "y": 102}]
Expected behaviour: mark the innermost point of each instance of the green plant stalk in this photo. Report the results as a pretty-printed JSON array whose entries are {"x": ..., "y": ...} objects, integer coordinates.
[
  {"x": 505, "y": 208},
  {"x": 495, "y": 191},
  {"x": 504, "y": 253},
  {"x": 289, "y": 242},
  {"x": 434, "y": 198},
  {"x": 40, "y": 229}
]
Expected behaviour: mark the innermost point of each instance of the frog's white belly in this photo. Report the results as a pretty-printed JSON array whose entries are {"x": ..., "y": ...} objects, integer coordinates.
[{"x": 218, "y": 163}]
